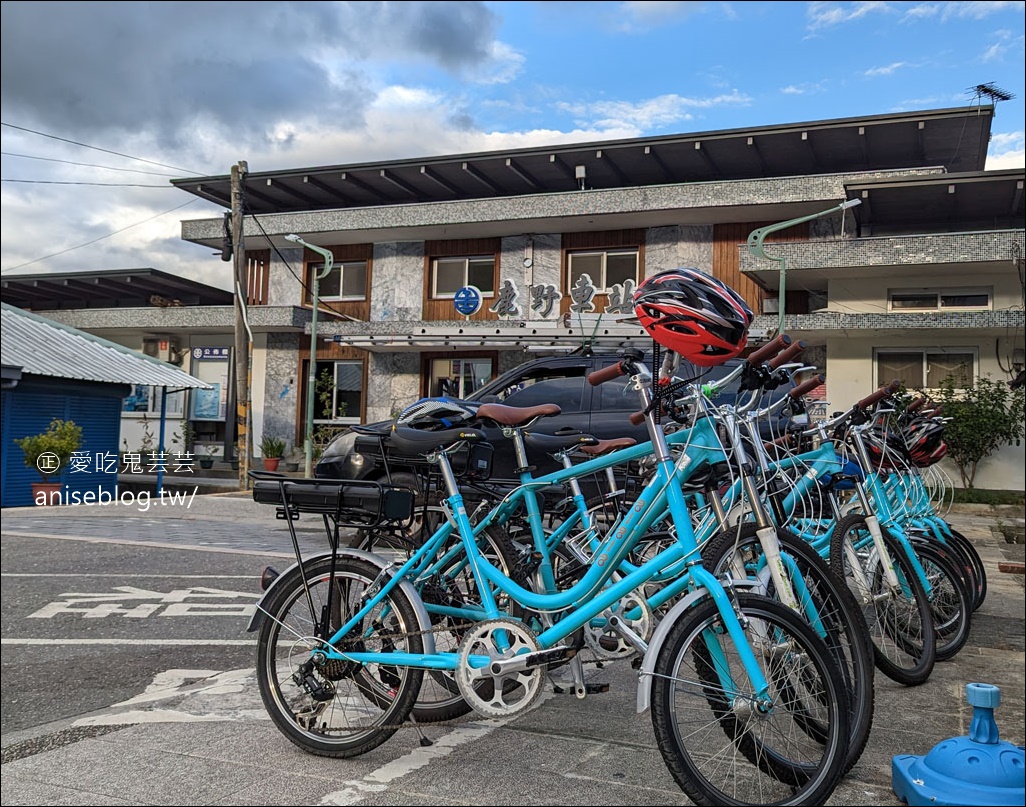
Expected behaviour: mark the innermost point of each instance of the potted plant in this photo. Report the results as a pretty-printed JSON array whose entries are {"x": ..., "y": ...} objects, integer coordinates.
[
  {"x": 48, "y": 452},
  {"x": 292, "y": 463},
  {"x": 205, "y": 455},
  {"x": 273, "y": 449}
]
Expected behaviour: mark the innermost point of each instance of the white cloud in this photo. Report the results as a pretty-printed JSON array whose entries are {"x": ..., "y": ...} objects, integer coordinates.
[
  {"x": 807, "y": 88},
  {"x": 827, "y": 15},
  {"x": 646, "y": 115},
  {"x": 1016, "y": 158},
  {"x": 978, "y": 11},
  {"x": 633, "y": 17},
  {"x": 1007, "y": 150},
  {"x": 886, "y": 70}
]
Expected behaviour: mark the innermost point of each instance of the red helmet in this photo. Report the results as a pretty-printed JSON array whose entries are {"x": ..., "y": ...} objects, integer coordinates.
[
  {"x": 886, "y": 447},
  {"x": 693, "y": 314},
  {"x": 924, "y": 438}
]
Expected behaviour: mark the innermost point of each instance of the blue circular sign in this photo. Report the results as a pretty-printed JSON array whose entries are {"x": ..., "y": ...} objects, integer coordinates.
[{"x": 467, "y": 300}]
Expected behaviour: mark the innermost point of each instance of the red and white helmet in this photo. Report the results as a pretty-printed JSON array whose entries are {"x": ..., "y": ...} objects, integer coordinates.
[{"x": 693, "y": 314}]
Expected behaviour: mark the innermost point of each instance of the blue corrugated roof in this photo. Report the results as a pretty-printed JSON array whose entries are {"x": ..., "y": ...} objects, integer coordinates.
[{"x": 40, "y": 346}]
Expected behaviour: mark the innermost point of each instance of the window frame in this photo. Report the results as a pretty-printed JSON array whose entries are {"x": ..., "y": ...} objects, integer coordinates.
[
  {"x": 349, "y": 419},
  {"x": 925, "y": 353},
  {"x": 601, "y": 285},
  {"x": 434, "y": 294},
  {"x": 311, "y": 268},
  {"x": 939, "y": 294}
]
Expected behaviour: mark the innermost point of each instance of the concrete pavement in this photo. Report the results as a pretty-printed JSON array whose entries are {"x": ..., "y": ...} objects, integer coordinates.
[{"x": 208, "y": 740}]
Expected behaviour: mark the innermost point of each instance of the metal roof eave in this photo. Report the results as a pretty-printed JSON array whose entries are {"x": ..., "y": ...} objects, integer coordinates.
[{"x": 39, "y": 346}]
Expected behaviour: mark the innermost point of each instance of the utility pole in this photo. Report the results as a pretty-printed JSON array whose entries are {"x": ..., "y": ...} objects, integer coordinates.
[{"x": 242, "y": 341}]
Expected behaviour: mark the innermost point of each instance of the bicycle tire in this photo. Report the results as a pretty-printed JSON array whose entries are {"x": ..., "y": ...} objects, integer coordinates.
[
  {"x": 949, "y": 599},
  {"x": 841, "y": 621},
  {"x": 956, "y": 540},
  {"x": 723, "y": 752},
  {"x": 900, "y": 622},
  {"x": 378, "y": 697},
  {"x": 958, "y": 557}
]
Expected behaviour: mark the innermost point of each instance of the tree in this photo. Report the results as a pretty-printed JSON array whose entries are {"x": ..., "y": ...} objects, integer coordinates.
[{"x": 984, "y": 417}]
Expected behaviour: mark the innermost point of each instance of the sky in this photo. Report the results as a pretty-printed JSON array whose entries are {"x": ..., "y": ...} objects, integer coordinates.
[{"x": 104, "y": 103}]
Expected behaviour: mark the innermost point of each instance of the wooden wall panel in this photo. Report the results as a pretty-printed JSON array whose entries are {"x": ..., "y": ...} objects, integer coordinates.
[
  {"x": 258, "y": 273},
  {"x": 726, "y": 262}
]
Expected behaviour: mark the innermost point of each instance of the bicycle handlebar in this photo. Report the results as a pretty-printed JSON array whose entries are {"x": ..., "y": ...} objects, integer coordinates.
[
  {"x": 786, "y": 355},
  {"x": 916, "y": 404},
  {"x": 607, "y": 374},
  {"x": 879, "y": 395},
  {"x": 807, "y": 386},
  {"x": 770, "y": 349}
]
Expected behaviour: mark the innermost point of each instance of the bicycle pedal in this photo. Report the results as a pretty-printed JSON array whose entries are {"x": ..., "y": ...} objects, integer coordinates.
[{"x": 596, "y": 689}]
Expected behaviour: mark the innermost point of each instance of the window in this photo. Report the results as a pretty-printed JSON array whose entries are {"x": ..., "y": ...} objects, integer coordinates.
[
  {"x": 449, "y": 275},
  {"x": 459, "y": 378},
  {"x": 926, "y": 369},
  {"x": 146, "y": 400},
  {"x": 338, "y": 391},
  {"x": 606, "y": 268},
  {"x": 938, "y": 299},
  {"x": 347, "y": 280}
]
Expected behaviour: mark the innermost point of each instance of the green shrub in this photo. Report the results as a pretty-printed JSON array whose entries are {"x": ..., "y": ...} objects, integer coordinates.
[
  {"x": 63, "y": 438},
  {"x": 983, "y": 418}
]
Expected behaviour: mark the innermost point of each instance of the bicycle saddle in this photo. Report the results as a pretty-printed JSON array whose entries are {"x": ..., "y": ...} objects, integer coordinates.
[
  {"x": 516, "y": 415},
  {"x": 406, "y": 440}
]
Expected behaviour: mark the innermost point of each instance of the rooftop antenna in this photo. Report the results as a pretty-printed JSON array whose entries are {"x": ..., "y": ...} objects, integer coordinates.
[{"x": 994, "y": 93}]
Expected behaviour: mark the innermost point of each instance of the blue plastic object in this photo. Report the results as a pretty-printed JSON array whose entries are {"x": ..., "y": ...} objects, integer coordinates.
[{"x": 976, "y": 770}]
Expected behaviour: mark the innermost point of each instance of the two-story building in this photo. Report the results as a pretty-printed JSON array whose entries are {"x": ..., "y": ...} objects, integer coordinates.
[{"x": 918, "y": 277}]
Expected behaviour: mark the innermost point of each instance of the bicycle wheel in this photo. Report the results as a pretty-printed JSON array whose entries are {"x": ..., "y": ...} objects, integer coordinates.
[
  {"x": 899, "y": 620},
  {"x": 959, "y": 560},
  {"x": 949, "y": 600},
  {"x": 971, "y": 556},
  {"x": 719, "y": 743},
  {"x": 825, "y": 601},
  {"x": 336, "y": 708}
]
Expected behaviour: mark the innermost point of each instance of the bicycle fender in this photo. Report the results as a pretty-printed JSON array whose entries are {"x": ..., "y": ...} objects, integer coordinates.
[
  {"x": 423, "y": 620},
  {"x": 659, "y": 638}
]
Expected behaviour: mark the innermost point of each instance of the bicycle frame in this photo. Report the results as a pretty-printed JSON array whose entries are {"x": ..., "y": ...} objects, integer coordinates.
[{"x": 595, "y": 591}]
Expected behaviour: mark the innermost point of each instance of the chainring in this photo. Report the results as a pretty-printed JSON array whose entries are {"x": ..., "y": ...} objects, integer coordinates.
[
  {"x": 511, "y": 692},
  {"x": 606, "y": 643}
]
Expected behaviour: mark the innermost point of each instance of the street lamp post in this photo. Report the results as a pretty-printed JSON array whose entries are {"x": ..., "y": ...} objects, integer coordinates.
[
  {"x": 756, "y": 237},
  {"x": 329, "y": 260}
]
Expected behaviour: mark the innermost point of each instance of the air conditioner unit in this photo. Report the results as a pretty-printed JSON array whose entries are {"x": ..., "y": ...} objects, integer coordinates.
[{"x": 159, "y": 347}]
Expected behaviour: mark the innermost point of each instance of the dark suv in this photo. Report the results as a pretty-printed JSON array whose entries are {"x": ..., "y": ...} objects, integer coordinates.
[{"x": 602, "y": 411}]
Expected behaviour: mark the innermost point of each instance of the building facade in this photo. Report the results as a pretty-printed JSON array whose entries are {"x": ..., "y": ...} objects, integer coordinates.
[{"x": 903, "y": 258}]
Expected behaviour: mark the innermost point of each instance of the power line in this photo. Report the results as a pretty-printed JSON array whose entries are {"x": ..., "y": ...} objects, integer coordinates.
[
  {"x": 86, "y": 165},
  {"x": 104, "y": 184},
  {"x": 97, "y": 148},
  {"x": 108, "y": 235}
]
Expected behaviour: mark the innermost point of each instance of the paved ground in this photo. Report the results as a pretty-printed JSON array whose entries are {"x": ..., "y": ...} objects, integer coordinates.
[{"x": 208, "y": 741}]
